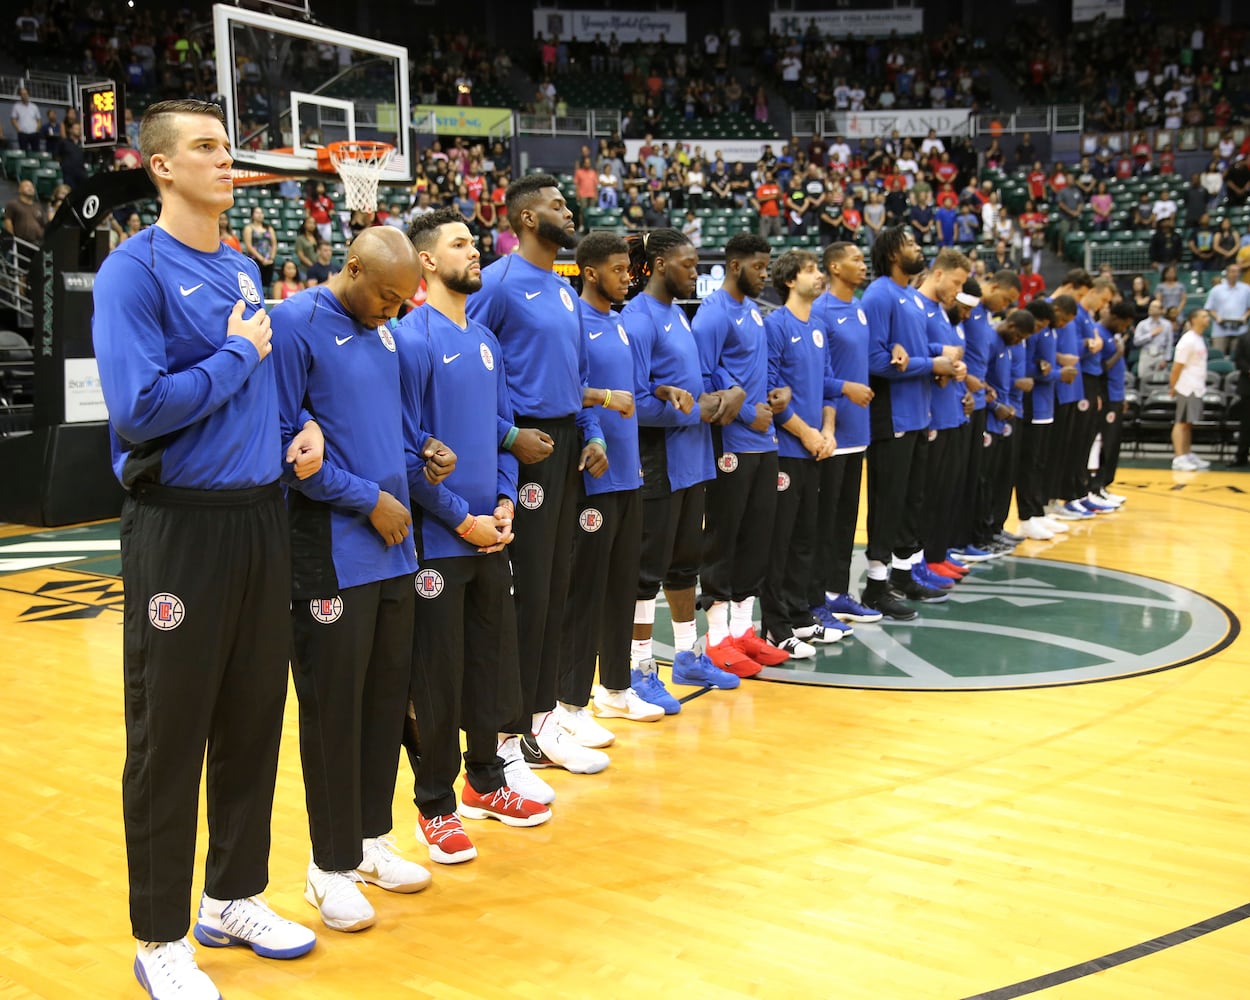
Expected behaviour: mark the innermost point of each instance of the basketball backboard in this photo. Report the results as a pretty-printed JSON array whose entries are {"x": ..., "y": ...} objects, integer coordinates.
[{"x": 289, "y": 87}]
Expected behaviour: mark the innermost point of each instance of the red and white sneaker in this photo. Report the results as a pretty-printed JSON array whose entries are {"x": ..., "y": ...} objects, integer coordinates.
[
  {"x": 759, "y": 650},
  {"x": 944, "y": 571},
  {"x": 731, "y": 658},
  {"x": 504, "y": 805},
  {"x": 961, "y": 570},
  {"x": 446, "y": 839}
]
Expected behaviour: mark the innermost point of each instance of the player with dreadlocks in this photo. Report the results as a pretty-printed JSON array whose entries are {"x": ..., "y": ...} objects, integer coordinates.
[{"x": 675, "y": 447}]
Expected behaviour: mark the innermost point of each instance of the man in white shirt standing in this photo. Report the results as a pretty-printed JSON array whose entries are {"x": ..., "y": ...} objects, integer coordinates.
[
  {"x": 1229, "y": 306},
  {"x": 1186, "y": 386},
  {"x": 932, "y": 144},
  {"x": 1164, "y": 207},
  {"x": 25, "y": 118}
]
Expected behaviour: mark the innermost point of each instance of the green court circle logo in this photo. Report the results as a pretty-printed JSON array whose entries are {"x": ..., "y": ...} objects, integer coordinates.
[{"x": 1018, "y": 623}]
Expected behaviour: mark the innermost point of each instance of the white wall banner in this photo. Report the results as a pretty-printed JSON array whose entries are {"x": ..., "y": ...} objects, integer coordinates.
[
  {"x": 1087, "y": 10},
  {"x": 746, "y": 151},
  {"x": 627, "y": 25},
  {"x": 915, "y": 122},
  {"x": 851, "y": 23},
  {"x": 84, "y": 399}
]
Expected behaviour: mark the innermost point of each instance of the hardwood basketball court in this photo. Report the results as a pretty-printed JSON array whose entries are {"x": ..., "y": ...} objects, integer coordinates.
[{"x": 783, "y": 840}]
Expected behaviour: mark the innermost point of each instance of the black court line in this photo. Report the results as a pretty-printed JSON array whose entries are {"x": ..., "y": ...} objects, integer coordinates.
[
  {"x": 1110, "y": 961},
  {"x": 695, "y": 694}
]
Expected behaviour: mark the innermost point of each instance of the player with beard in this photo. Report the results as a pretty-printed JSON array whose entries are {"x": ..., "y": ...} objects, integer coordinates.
[
  {"x": 534, "y": 315},
  {"x": 901, "y": 369},
  {"x": 733, "y": 350},
  {"x": 846, "y": 333},
  {"x": 464, "y": 654},
  {"x": 599, "y": 612},
  {"x": 676, "y": 450}
]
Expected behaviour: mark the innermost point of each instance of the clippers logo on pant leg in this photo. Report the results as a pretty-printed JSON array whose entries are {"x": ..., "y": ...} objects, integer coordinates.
[
  {"x": 530, "y": 496},
  {"x": 429, "y": 584},
  {"x": 590, "y": 520},
  {"x": 326, "y": 610},
  {"x": 165, "y": 611}
]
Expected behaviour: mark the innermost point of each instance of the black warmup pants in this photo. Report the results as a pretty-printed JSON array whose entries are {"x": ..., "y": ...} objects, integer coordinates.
[
  {"x": 783, "y": 601},
  {"x": 1111, "y": 427},
  {"x": 837, "y": 510},
  {"x": 740, "y": 506},
  {"x": 896, "y": 481},
  {"x": 1036, "y": 443},
  {"x": 599, "y": 612},
  {"x": 946, "y": 468},
  {"x": 206, "y": 647},
  {"x": 672, "y": 541},
  {"x": 966, "y": 516},
  {"x": 1089, "y": 423},
  {"x": 1006, "y": 476},
  {"x": 464, "y": 676},
  {"x": 353, "y": 654},
  {"x": 1063, "y": 447},
  {"x": 993, "y": 455},
  {"x": 542, "y": 556}
]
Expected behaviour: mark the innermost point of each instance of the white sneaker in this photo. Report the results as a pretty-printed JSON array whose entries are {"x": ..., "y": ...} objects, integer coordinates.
[
  {"x": 559, "y": 748},
  {"x": 225, "y": 922},
  {"x": 519, "y": 776},
  {"x": 1113, "y": 498},
  {"x": 624, "y": 705},
  {"x": 167, "y": 970},
  {"x": 1184, "y": 463},
  {"x": 381, "y": 866},
  {"x": 817, "y": 634},
  {"x": 1097, "y": 498},
  {"x": 337, "y": 896},
  {"x": 1054, "y": 525},
  {"x": 582, "y": 727},
  {"x": 1034, "y": 528},
  {"x": 796, "y": 647},
  {"x": 1198, "y": 463}
]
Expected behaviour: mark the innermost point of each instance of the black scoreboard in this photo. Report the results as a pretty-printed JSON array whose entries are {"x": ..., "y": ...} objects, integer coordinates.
[{"x": 101, "y": 116}]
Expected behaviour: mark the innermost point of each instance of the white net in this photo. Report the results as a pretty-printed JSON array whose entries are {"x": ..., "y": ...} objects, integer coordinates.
[{"x": 360, "y": 164}]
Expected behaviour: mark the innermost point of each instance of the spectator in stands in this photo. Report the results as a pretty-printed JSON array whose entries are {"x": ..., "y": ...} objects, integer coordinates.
[
  {"x": 767, "y": 202},
  {"x": 261, "y": 244},
  {"x": 1229, "y": 305},
  {"x": 1201, "y": 245},
  {"x": 1070, "y": 202},
  {"x": 318, "y": 204},
  {"x": 72, "y": 157},
  {"x": 24, "y": 216},
  {"x": 656, "y": 214},
  {"x": 1237, "y": 182},
  {"x": 1172, "y": 294},
  {"x": 26, "y": 120},
  {"x": 1225, "y": 244},
  {"x": 586, "y": 184},
  {"x": 52, "y": 132},
  {"x": 1102, "y": 203},
  {"x": 874, "y": 216},
  {"x": 1032, "y": 284},
  {"x": 1164, "y": 208},
  {"x": 226, "y": 234},
  {"x": 321, "y": 270},
  {"x": 1140, "y": 296},
  {"x": 1195, "y": 201},
  {"x": 1165, "y": 245},
  {"x": 1154, "y": 337},
  {"x": 59, "y": 194},
  {"x": 288, "y": 283},
  {"x": 306, "y": 243}
]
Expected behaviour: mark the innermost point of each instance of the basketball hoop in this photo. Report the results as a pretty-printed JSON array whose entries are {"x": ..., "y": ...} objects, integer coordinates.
[{"x": 360, "y": 165}]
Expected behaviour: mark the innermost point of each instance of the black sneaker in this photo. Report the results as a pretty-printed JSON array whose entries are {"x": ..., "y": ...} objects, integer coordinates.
[
  {"x": 1008, "y": 536},
  {"x": 1002, "y": 547},
  {"x": 532, "y": 755},
  {"x": 913, "y": 591},
  {"x": 889, "y": 602}
]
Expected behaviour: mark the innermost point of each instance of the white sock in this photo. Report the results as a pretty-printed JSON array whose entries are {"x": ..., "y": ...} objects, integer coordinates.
[
  {"x": 717, "y": 623},
  {"x": 830, "y": 596},
  {"x": 917, "y": 557},
  {"x": 901, "y": 564},
  {"x": 877, "y": 570},
  {"x": 538, "y": 719},
  {"x": 639, "y": 650},
  {"x": 644, "y": 612},
  {"x": 684, "y": 635},
  {"x": 740, "y": 615}
]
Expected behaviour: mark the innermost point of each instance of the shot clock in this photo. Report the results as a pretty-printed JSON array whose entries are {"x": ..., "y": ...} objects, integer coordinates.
[{"x": 100, "y": 115}]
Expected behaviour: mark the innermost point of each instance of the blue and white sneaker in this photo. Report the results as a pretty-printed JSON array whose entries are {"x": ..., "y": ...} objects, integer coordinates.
[
  {"x": 697, "y": 670},
  {"x": 1077, "y": 510},
  {"x": 831, "y": 624},
  {"x": 648, "y": 686},
  {"x": 971, "y": 554},
  {"x": 845, "y": 608},
  {"x": 1096, "y": 506},
  {"x": 250, "y": 922},
  {"x": 927, "y": 578}
]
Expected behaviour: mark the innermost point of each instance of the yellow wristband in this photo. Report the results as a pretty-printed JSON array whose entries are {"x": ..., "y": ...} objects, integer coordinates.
[{"x": 607, "y": 398}]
